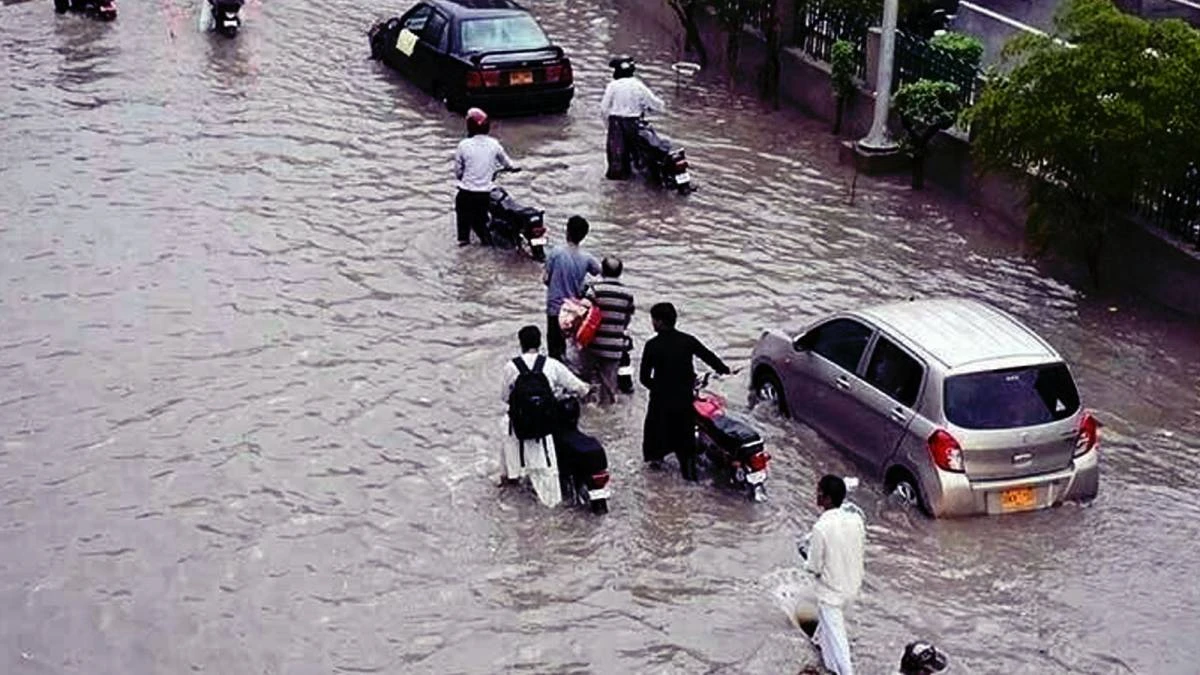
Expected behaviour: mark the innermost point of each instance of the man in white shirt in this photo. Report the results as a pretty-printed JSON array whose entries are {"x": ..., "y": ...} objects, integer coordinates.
[
  {"x": 536, "y": 457},
  {"x": 625, "y": 100},
  {"x": 834, "y": 557},
  {"x": 475, "y": 162}
]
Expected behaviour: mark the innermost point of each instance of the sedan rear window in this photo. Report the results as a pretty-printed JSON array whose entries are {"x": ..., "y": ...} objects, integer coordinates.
[
  {"x": 502, "y": 34},
  {"x": 1016, "y": 397}
]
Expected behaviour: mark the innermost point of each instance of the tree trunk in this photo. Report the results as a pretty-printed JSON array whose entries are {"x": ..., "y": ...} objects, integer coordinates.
[
  {"x": 685, "y": 10},
  {"x": 774, "y": 65},
  {"x": 837, "y": 115},
  {"x": 733, "y": 48},
  {"x": 918, "y": 169}
]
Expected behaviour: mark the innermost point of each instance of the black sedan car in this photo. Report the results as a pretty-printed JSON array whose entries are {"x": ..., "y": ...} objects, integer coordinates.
[{"x": 490, "y": 54}]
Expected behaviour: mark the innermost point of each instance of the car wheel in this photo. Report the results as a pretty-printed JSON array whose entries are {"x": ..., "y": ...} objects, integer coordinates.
[
  {"x": 767, "y": 389},
  {"x": 905, "y": 489}
]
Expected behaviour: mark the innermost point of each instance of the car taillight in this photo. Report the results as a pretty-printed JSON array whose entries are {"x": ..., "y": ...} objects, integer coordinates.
[
  {"x": 483, "y": 78},
  {"x": 945, "y": 451},
  {"x": 568, "y": 75},
  {"x": 554, "y": 73},
  {"x": 758, "y": 461},
  {"x": 1089, "y": 434},
  {"x": 599, "y": 480}
]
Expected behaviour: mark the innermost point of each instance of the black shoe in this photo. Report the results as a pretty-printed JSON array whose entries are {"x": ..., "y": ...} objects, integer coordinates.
[{"x": 464, "y": 243}]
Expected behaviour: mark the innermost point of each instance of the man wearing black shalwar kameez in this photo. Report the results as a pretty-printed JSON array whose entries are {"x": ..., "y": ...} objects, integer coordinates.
[{"x": 667, "y": 371}]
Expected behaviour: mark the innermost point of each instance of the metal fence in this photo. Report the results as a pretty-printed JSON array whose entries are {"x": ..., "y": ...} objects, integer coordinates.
[
  {"x": 819, "y": 26},
  {"x": 916, "y": 59},
  {"x": 1175, "y": 210}
]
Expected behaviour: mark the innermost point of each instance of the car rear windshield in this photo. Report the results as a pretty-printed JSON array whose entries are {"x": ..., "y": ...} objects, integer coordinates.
[
  {"x": 1016, "y": 397},
  {"x": 502, "y": 34}
]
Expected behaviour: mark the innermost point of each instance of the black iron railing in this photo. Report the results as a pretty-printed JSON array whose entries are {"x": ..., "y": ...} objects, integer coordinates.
[
  {"x": 1174, "y": 209},
  {"x": 819, "y": 26},
  {"x": 916, "y": 59}
]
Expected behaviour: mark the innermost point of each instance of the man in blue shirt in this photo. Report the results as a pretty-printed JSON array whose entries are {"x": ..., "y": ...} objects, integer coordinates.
[{"x": 566, "y": 272}]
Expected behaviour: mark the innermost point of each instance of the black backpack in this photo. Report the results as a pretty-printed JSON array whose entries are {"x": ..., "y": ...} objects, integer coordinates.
[{"x": 531, "y": 404}]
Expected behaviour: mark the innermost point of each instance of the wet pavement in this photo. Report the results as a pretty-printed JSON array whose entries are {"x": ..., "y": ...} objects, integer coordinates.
[{"x": 249, "y": 385}]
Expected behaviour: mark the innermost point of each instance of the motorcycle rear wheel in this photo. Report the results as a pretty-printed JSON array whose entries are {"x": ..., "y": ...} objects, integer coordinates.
[
  {"x": 599, "y": 506},
  {"x": 538, "y": 253},
  {"x": 757, "y": 493}
]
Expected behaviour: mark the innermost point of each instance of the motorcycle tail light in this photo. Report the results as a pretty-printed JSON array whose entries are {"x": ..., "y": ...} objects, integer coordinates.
[
  {"x": 599, "y": 480},
  {"x": 758, "y": 461}
]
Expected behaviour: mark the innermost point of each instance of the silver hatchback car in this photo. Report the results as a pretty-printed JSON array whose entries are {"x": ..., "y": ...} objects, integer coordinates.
[{"x": 957, "y": 406}]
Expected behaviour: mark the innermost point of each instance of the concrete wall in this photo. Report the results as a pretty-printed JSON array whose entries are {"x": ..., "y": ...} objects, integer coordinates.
[{"x": 994, "y": 28}]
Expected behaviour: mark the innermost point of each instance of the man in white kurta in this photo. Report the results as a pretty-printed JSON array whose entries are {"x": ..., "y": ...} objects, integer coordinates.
[
  {"x": 625, "y": 100},
  {"x": 835, "y": 559},
  {"x": 541, "y": 464}
]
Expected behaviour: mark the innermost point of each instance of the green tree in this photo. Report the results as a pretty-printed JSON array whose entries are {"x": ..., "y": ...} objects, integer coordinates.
[
  {"x": 1089, "y": 117},
  {"x": 966, "y": 48},
  {"x": 842, "y": 67},
  {"x": 925, "y": 107}
]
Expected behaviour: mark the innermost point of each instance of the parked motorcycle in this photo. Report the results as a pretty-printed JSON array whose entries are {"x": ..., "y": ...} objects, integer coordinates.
[
  {"x": 226, "y": 16},
  {"x": 513, "y": 225},
  {"x": 661, "y": 163},
  {"x": 730, "y": 445},
  {"x": 104, "y": 10},
  {"x": 582, "y": 463}
]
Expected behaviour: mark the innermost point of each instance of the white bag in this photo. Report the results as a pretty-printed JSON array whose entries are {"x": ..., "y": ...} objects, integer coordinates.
[{"x": 794, "y": 594}]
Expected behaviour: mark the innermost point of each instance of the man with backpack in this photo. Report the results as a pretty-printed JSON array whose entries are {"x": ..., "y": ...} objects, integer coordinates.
[{"x": 533, "y": 384}]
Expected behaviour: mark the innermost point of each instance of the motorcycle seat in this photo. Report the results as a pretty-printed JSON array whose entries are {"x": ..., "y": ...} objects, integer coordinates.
[
  {"x": 579, "y": 454},
  {"x": 731, "y": 432},
  {"x": 651, "y": 138}
]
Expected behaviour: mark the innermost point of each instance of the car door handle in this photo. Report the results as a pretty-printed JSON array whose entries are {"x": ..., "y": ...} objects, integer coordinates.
[
  {"x": 843, "y": 382},
  {"x": 899, "y": 415}
]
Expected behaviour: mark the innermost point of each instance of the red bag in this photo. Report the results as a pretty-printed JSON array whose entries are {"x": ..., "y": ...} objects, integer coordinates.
[{"x": 590, "y": 324}]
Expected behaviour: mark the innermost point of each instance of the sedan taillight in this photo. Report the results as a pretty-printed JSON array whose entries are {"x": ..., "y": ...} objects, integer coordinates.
[{"x": 482, "y": 78}]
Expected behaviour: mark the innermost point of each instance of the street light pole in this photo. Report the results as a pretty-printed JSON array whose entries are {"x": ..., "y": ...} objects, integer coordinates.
[{"x": 877, "y": 139}]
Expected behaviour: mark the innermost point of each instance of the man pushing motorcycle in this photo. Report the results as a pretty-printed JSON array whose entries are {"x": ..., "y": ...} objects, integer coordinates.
[{"x": 625, "y": 100}]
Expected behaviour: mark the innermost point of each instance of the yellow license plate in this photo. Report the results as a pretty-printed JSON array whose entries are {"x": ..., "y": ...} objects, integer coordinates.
[
  {"x": 1018, "y": 499},
  {"x": 521, "y": 77}
]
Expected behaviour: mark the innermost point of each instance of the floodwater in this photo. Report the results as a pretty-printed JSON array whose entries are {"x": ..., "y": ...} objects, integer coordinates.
[{"x": 249, "y": 385}]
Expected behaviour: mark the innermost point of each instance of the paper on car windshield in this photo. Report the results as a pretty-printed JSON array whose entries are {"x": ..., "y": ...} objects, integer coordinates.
[{"x": 406, "y": 42}]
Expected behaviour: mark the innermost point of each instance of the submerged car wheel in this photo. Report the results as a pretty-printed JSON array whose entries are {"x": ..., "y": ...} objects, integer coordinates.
[
  {"x": 905, "y": 489},
  {"x": 769, "y": 390}
]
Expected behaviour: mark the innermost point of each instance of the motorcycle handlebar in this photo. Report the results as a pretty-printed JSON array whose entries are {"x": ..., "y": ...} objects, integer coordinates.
[
  {"x": 708, "y": 375},
  {"x": 497, "y": 172}
]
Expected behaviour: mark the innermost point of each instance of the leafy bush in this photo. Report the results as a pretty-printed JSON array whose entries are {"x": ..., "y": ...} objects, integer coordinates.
[
  {"x": 964, "y": 47},
  {"x": 925, "y": 107},
  {"x": 1089, "y": 117}
]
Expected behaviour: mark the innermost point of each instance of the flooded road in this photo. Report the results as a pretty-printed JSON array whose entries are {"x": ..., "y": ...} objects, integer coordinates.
[{"x": 249, "y": 385}]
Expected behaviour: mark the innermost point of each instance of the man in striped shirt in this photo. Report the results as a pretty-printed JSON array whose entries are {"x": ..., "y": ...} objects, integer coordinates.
[{"x": 602, "y": 358}]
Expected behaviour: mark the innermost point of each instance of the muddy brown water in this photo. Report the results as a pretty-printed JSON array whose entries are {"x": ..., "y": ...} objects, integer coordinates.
[{"x": 249, "y": 386}]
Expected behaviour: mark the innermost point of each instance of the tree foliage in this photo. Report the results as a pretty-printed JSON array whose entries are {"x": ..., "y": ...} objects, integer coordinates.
[
  {"x": 1089, "y": 117},
  {"x": 961, "y": 46},
  {"x": 925, "y": 107},
  {"x": 842, "y": 67}
]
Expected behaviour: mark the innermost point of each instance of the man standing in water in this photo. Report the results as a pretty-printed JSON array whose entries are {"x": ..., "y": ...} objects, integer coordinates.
[
  {"x": 834, "y": 556},
  {"x": 475, "y": 162},
  {"x": 667, "y": 372},
  {"x": 602, "y": 357},
  {"x": 532, "y": 384},
  {"x": 566, "y": 271},
  {"x": 625, "y": 100}
]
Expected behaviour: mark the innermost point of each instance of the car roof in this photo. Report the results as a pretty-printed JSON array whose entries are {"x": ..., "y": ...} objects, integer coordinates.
[
  {"x": 468, "y": 9},
  {"x": 961, "y": 333}
]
